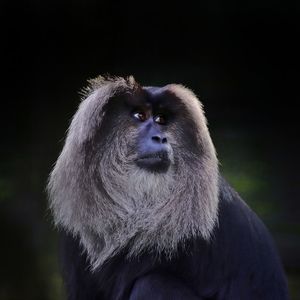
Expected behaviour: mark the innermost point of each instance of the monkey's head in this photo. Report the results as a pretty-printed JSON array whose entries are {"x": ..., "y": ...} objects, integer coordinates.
[{"x": 138, "y": 170}]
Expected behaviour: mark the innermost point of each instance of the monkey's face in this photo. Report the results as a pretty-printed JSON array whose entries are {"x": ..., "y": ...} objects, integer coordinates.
[
  {"x": 149, "y": 130},
  {"x": 153, "y": 148}
]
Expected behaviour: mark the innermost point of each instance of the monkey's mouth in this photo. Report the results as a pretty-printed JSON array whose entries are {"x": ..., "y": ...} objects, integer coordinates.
[{"x": 155, "y": 161}]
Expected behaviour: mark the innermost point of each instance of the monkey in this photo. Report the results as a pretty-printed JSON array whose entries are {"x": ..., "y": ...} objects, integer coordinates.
[{"x": 142, "y": 208}]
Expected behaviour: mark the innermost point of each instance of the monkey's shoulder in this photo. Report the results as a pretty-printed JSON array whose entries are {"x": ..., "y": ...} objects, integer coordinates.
[
  {"x": 239, "y": 225},
  {"x": 242, "y": 237}
]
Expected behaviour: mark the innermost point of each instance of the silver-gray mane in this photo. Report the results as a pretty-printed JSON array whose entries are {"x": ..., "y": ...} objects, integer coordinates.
[{"x": 97, "y": 192}]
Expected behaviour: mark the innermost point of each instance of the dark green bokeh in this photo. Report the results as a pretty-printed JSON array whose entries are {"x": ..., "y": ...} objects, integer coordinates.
[{"x": 242, "y": 59}]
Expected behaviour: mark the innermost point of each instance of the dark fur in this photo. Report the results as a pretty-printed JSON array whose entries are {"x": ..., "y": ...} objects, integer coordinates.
[{"x": 190, "y": 237}]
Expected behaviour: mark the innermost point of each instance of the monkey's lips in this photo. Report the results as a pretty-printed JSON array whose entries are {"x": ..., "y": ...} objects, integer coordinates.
[{"x": 156, "y": 161}]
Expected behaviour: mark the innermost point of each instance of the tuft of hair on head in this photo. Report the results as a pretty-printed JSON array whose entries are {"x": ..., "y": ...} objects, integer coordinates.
[{"x": 101, "y": 80}]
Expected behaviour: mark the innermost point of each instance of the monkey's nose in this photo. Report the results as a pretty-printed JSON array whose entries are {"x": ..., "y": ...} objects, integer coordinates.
[{"x": 159, "y": 139}]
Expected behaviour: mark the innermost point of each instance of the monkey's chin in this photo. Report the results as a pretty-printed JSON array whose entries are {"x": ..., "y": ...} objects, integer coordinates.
[{"x": 154, "y": 164}]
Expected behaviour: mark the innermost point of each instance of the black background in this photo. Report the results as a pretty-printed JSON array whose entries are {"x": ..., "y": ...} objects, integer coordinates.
[{"x": 242, "y": 59}]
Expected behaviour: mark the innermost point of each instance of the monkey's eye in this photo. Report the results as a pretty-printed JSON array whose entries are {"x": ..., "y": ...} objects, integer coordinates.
[
  {"x": 140, "y": 115},
  {"x": 160, "y": 119}
]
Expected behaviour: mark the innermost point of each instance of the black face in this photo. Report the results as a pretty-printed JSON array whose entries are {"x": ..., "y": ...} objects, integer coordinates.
[{"x": 153, "y": 147}]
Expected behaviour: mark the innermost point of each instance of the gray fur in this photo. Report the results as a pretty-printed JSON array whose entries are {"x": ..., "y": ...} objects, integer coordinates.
[{"x": 98, "y": 193}]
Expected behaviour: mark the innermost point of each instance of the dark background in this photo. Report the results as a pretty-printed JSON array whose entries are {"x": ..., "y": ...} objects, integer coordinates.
[{"x": 241, "y": 59}]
